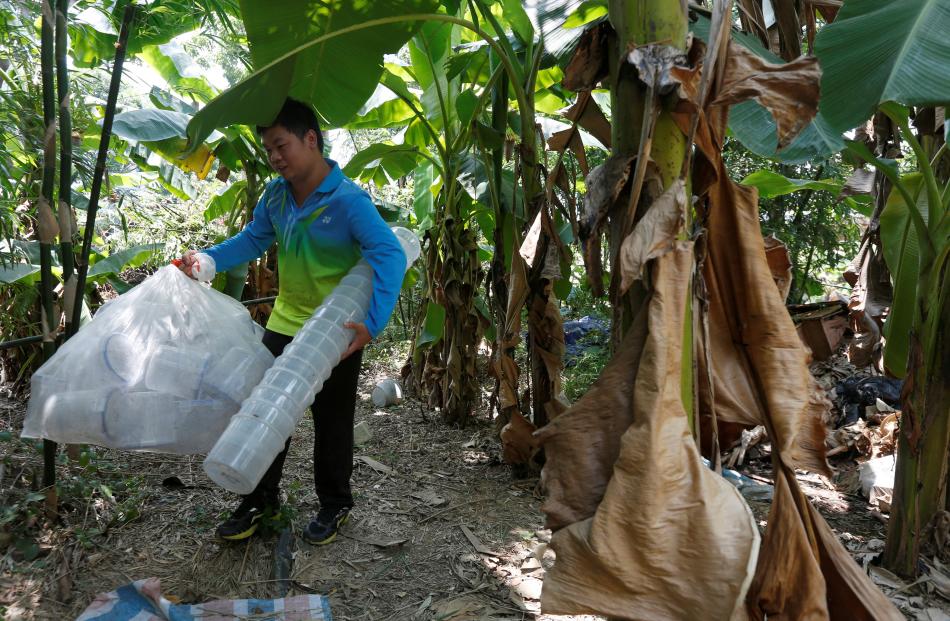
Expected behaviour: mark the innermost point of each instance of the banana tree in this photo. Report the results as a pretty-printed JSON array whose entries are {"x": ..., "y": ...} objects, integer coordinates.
[{"x": 915, "y": 230}]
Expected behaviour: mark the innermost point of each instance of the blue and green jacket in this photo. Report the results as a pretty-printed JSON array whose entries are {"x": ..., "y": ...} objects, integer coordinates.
[{"x": 317, "y": 243}]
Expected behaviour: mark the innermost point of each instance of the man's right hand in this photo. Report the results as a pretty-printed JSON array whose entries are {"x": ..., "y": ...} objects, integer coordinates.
[{"x": 187, "y": 262}]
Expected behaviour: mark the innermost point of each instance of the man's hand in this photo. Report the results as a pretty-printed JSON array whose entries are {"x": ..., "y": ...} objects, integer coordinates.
[
  {"x": 187, "y": 262},
  {"x": 360, "y": 340}
]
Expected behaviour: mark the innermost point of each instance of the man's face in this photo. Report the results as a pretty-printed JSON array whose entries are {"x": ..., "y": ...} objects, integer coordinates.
[{"x": 288, "y": 154}]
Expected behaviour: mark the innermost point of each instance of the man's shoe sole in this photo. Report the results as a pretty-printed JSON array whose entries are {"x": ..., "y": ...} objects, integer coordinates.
[
  {"x": 243, "y": 534},
  {"x": 332, "y": 537}
]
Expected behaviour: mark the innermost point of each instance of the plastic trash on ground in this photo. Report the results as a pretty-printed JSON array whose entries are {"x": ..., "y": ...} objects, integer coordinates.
[
  {"x": 161, "y": 368},
  {"x": 877, "y": 480},
  {"x": 258, "y": 432},
  {"x": 387, "y": 392}
]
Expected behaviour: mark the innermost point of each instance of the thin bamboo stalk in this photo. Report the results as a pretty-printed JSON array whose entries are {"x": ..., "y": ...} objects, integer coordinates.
[
  {"x": 65, "y": 157},
  {"x": 83, "y": 260},
  {"x": 46, "y": 223}
]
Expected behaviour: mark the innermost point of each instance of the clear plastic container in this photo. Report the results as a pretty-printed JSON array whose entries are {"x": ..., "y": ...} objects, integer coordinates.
[
  {"x": 279, "y": 418},
  {"x": 387, "y": 392},
  {"x": 288, "y": 381},
  {"x": 243, "y": 454},
  {"x": 176, "y": 371},
  {"x": 124, "y": 358},
  {"x": 235, "y": 374},
  {"x": 76, "y": 414},
  {"x": 245, "y": 451},
  {"x": 163, "y": 422}
]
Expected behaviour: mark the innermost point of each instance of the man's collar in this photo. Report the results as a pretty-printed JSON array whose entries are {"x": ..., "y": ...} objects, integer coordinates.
[{"x": 333, "y": 179}]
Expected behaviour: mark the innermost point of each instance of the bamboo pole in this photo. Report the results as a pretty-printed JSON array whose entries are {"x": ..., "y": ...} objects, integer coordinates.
[
  {"x": 46, "y": 223},
  {"x": 83, "y": 261},
  {"x": 64, "y": 212}
]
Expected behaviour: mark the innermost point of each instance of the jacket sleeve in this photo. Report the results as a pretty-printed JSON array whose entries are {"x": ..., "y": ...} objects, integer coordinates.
[
  {"x": 382, "y": 250},
  {"x": 250, "y": 243}
]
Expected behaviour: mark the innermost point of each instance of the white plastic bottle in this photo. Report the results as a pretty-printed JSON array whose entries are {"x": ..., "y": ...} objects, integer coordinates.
[{"x": 258, "y": 432}]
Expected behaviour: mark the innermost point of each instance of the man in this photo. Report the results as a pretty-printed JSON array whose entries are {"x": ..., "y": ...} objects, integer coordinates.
[{"x": 323, "y": 223}]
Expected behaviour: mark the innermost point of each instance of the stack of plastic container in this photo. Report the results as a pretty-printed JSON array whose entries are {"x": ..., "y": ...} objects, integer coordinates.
[
  {"x": 161, "y": 368},
  {"x": 258, "y": 432}
]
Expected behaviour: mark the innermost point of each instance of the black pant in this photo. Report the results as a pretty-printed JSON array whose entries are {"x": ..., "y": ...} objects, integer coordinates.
[{"x": 333, "y": 410}]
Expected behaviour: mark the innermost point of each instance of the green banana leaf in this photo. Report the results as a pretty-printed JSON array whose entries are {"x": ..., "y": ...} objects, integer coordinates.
[
  {"x": 163, "y": 131},
  {"x": 337, "y": 75},
  {"x": 474, "y": 179},
  {"x": 150, "y": 124},
  {"x": 19, "y": 272},
  {"x": 883, "y": 50},
  {"x": 423, "y": 203},
  {"x": 383, "y": 109},
  {"x": 772, "y": 184},
  {"x": 224, "y": 203},
  {"x": 382, "y": 163},
  {"x": 179, "y": 70},
  {"x": 166, "y": 101},
  {"x": 434, "y": 326},
  {"x": 553, "y": 19},
  {"x": 588, "y": 11},
  {"x": 93, "y": 32},
  {"x": 902, "y": 255},
  {"x": 118, "y": 261},
  {"x": 518, "y": 19},
  {"x": 430, "y": 49}
]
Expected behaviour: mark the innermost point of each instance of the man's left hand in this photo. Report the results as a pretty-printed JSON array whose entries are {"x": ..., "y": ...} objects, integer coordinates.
[{"x": 360, "y": 340}]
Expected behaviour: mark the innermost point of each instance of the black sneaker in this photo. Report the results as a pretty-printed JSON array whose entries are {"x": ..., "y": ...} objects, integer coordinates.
[
  {"x": 323, "y": 529},
  {"x": 244, "y": 520}
]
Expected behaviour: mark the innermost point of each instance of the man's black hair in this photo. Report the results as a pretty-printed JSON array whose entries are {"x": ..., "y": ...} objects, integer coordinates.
[{"x": 296, "y": 117}]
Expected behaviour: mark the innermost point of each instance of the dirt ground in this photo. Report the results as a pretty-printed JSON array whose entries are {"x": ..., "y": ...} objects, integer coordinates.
[{"x": 441, "y": 529}]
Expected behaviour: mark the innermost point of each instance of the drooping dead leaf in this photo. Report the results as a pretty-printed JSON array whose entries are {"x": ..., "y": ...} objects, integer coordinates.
[
  {"x": 588, "y": 65},
  {"x": 753, "y": 20},
  {"x": 547, "y": 346},
  {"x": 604, "y": 185},
  {"x": 804, "y": 572},
  {"x": 510, "y": 335},
  {"x": 654, "y": 234},
  {"x": 752, "y": 340},
  {"x": 570, "y": 138},
  {"x": 776, "y": 254},
  {"x": 860, "y": 183},
  {"x": 871, "y": 294},
  {"x": 670, "y": 539},
  {"x": 761, "y": 376},
  {"x": 654, "y": 63},
  {"x": 583, "y": 443},
  {"x": 789, "y": 91},
  {"x": 518, "y": 443},
  {"x": 789, "y": 28},
  {"x": 586, "y": 113}
]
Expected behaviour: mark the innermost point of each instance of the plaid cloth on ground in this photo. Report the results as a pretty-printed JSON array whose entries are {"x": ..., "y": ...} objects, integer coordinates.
[{"x": 142, "y": 601}]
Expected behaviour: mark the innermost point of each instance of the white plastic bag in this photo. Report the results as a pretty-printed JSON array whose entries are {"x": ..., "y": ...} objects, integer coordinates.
[{"x": 161, "y": 368}]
